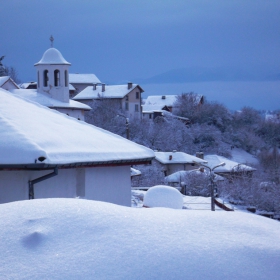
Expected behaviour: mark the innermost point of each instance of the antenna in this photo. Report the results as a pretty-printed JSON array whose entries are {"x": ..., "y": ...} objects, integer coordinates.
[{"x": 51, "y": 39}]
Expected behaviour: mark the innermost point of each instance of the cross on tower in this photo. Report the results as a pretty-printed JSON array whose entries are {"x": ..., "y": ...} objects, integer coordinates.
[{"x": 51, "y": 39}]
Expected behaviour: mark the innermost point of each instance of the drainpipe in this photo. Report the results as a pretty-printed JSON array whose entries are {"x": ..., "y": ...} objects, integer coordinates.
[{"x": 31, "y": 183}]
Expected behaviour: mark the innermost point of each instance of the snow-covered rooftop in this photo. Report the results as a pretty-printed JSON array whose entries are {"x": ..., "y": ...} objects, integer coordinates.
[
  {"x": 29, "y": 131},
  {"x": 111, "y": 91},
  {"x": 230, "y": 166},
  {"x": 179, "y": 175},
  {"x": 177, "y": 157},
  {"x": 3, "y": 80},
  {"x": 52, "y": 56},
  {"x": 33, "y": 95},
  {"x": 83, "y": 79},
  {"x": 157, "y": 102},
  {"x": 84, "y": 239}
]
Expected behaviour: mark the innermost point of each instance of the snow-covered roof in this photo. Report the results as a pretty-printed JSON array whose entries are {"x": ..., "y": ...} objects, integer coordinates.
[
  {"x": 176, "y": 157},
  {"x": 52, "y": 56},
  {"x": 157, "y": 102},
  {"x": 85, "y": 239},
  {"x": 83, "y": 79},
  {"x": 33, "y": 95},
  {"x": 5, "y": 79},
  {"x": 177, "y": 176},
  {"x": 71, "y": 87},
  {"x": 134, "y": 172},
  {"x": 111, "y": 91},
  {"x": 29, "y": 131},
  {"x": 26, "y": 85},
  {"x": 230, "y": 166}
]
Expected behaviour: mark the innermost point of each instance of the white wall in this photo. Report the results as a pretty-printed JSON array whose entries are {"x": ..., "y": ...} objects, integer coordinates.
[
  {"x": 110, "y": 184},
  {"x": 14, "y": 184},
  {"x": 74, "y": 113}
]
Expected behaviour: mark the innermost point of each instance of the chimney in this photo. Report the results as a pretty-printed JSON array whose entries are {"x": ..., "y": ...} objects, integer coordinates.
[
  {"x": 94, "y": 87},
  {"x": 170, "y": 157},
  {"x": 199, "y": 155},
  {"x": 103, "y": 87},
  {"x": 129, "y": 85}
]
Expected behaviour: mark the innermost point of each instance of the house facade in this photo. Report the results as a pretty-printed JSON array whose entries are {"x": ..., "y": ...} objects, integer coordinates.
[{"x": 127, "y": 97}]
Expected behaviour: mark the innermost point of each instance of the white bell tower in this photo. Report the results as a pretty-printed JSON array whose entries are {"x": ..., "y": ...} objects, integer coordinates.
[{"x": 53, "y": 74}]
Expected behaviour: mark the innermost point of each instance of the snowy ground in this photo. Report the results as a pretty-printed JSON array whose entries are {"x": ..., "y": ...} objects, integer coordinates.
[{"x": 82, "y": 239}]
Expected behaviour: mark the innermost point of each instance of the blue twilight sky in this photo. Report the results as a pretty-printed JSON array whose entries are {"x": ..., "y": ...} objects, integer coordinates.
[{"x": 121, "y": 40}]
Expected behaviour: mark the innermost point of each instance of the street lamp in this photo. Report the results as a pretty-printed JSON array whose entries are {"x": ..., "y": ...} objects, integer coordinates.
[
  {"x": 212, "y": 176},
  {"x": 126, "y": 125}
]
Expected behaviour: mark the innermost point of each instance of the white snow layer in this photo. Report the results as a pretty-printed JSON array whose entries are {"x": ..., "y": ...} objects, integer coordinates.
[
  {"x": 52, "y": 56},
  {"x": 80, "y": 239},
  {"x": 29, "y": 130},
  {"x": 163, "y": 196}
]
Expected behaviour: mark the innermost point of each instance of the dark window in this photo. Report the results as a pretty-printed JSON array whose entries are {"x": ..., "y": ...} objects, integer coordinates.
[
  {"x": 137, "y": 95},
  {"x": 150, "y": 116},
  {"x": 56, "y": 78},
  {"x": 66, "y": 78},
  {"x": 46, "y": 78},
  {"x": 126, "y": 98},
  {"x": 126, "y": 106},
  {"x": 136, "y": 108}
]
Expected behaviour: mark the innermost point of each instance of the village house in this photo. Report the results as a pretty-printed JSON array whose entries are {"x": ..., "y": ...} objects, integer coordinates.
[
  {"x": 6, "y": 82},
  {"x": 156, "y": 105},
  {"x": 231, "y": 168},
  {"x": 46, "y": 154},
  {"x": 172, "y": 162},
  {"x": 127, "y": 97},
  {"x": 53, "y": 86},
  {"x": 80, "y": 81}
]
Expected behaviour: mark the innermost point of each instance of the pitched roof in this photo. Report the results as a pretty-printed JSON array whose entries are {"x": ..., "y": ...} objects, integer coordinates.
[
  {"x": 111, "y": 91},
  {"x": 177, "y": 157},
  {"x": 83, "y": 79},
  {"x": 29, "y": 131},
  {"x": 157, "y": 102},
  {"x": 230, "y": 166},
  {"x": 179, "y": 176},
  {"x": 5, "y": 79},
  {"x": 33, "y": 95}
]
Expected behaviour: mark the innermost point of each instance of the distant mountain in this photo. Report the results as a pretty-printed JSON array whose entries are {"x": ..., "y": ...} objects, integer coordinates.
[{"x": 199, "y": 74}]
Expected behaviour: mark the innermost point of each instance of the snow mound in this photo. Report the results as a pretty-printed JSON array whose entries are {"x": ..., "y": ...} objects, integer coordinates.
[
  {"x": 163, "y": 196},
  {"x": 83, "y": 239}
]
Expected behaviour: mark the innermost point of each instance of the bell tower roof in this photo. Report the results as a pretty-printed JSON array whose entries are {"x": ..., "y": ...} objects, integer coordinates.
[{"x": 52, "y": 56}]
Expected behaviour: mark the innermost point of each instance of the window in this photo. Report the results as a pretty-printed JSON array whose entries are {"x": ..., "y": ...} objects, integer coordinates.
[
  {"x": 150, "y": 116},
  {"x": 66, "y": 78},
  {"x": 46, "y": 78},
  {"x": 136, "y": 108},
  {"x": 137, "y": 95},
  {"x": 126, "y": 98},
  {"x": 56, "y": 78},
  {"x": 126, "y": 106}
]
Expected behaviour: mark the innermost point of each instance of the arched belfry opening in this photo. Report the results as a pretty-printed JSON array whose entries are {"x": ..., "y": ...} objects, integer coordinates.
[
  {"x": 56, "y": 78},
  {"x": 46, "y": 78}
]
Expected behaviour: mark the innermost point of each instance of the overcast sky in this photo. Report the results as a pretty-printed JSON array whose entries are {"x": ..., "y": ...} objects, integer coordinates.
[{"x": 126, "y": 39}]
